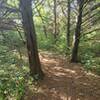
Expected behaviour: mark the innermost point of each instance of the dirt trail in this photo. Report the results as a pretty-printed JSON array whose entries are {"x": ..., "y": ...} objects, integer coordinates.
[{"x": 65, "y": 81}]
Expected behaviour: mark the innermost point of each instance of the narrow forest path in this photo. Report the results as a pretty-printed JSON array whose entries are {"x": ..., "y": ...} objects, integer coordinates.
[{"x": 65, "y": 81}]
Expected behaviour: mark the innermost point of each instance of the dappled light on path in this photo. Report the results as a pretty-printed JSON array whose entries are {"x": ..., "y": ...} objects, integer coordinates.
[{"x": 65, "y": 81}]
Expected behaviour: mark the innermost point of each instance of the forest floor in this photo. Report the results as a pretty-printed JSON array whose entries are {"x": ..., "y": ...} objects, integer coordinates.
[{"x": 64, "y": 81}]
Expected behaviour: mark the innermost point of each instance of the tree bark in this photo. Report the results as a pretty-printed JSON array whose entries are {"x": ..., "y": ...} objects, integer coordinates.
[
  {"x": 77, "y": 33},
  {"x": 30, "y": 33},
  {"x": 68, "y": 25},
  {"x": 55, "y": 20}
]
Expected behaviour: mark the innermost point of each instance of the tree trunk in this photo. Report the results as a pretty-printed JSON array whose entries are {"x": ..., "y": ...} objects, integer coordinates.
[
  {"x": 29, "y": 29},
  {"x": 77, "y": 33},
  {"x": 55, "y": 20},
  {"x": 68, "y": 25}
]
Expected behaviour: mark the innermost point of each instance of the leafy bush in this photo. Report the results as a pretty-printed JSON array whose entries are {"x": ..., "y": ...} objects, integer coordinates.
[
  {"x": 87, "y": 60},
  {"x": 49, "y": 44},
  {"x": 12, "y": 83},
  {"x": 88, "y": 56},
  {"x": 45, "y": 43},
  {"x": 95, "y": 48}
]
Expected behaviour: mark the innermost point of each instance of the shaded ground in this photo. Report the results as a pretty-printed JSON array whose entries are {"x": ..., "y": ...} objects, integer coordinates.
[{"x": 64, "y": 81}]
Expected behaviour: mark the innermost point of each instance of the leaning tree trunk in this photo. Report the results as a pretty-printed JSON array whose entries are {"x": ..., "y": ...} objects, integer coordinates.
[
  {"x": 29, "y": 29},
  {"x": 77, "y": 33}
]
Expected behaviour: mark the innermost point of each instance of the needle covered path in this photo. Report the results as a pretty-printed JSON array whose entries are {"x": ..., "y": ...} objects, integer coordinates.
[{"x": 64, "y": 81}]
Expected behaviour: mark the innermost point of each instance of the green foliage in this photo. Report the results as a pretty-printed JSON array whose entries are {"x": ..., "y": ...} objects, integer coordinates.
[
  {"x": 12, "y": 83},
  {"x": 49, "y": 43},
  {"x": 90, "y": 57},
  {"x": 12, "y": 70},
  {"x": 95, "y": 48},
  {"x": 60, "y": 45},
  {"x": 87, "y": 60},
  {"x": 45, "y": 43}
]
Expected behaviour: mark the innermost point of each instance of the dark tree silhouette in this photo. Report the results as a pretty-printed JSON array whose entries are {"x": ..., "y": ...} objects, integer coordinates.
[{"x": 77, "y": 32}]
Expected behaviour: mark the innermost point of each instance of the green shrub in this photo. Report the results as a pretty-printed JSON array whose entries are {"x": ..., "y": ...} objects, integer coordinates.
[
  {"x": 12, "y": 82},
  {"x": 49, "y": 44},
  {"x": 89, "y": 58}
]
